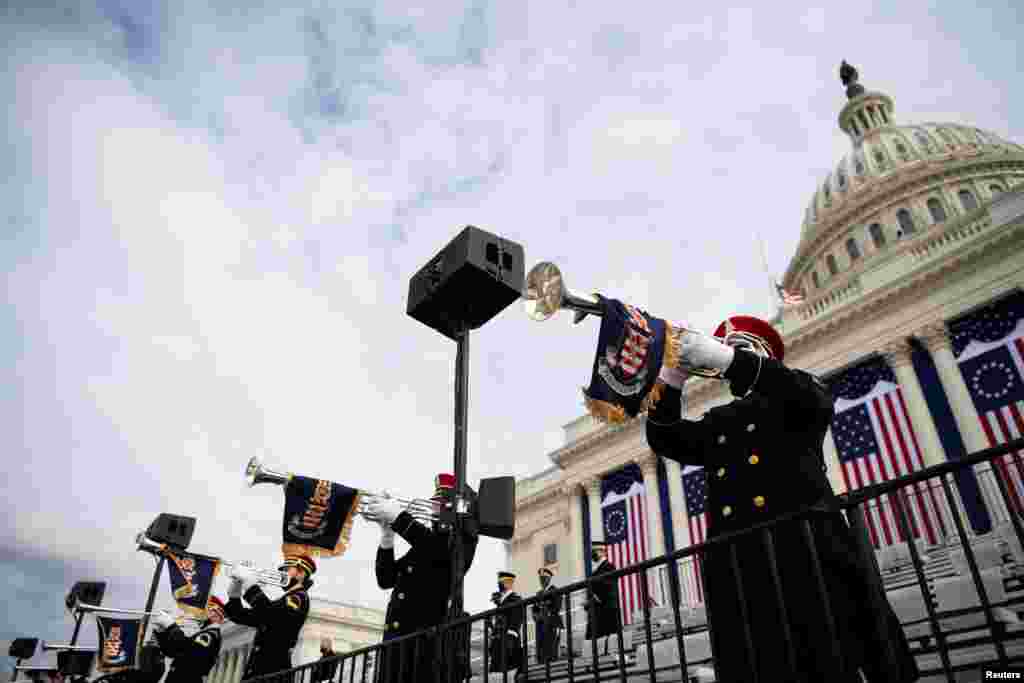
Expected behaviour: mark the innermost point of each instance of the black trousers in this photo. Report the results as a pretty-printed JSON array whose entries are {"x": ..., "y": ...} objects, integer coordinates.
[{"x": 548, "y": 636}]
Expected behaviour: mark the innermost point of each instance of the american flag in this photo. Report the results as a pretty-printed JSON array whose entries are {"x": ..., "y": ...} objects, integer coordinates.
[
  {"x": 695, "y": 489},
  {"x": 876, "y": 442},
  {"x": 989, "y": 346},
  {"x": 789, "y": 298},
  {"x": 623, "y": 511}
]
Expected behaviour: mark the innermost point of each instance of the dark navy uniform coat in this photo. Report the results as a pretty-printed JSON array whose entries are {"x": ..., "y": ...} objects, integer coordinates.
[
  {"x": 278, "y": 623},
  {"x": 603, "y": 618},
  {"x": 193, "y": 656},
  {"x": 420, "y": 581},
  {"x": 763, "y": 457}
]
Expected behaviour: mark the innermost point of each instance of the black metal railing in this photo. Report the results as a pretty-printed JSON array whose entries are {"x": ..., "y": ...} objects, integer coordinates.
[{"x": 676, "y": 645}]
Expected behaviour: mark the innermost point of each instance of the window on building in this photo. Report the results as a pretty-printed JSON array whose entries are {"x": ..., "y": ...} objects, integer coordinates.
[
  {"x": 550, "y": 554},
  {"x": 937, "y": 210},
  {"x": 885, "y": 118},
  {"x": 995, "y": 189},
  {"x": 833, "y": 267},
  {"x": 815, "y": 279},
  {"x": 852, "y": 249},
  {"x": 877, "y": 235},
  {"x": 967, "y": 200},
  {"x": 853, "y": 125},
  {"x": 906, "y": 221}
]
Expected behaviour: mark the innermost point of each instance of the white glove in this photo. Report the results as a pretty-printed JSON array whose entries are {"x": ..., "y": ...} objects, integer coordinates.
[
  {"x": 163, "y": 620},
  {"x": 235, "y": 589},
  {"x": 244, "y": 575},
  {"x": 702, "y": 351},
  {"x": 384, "y": 511},
  {"x": 387, "y": 537}
]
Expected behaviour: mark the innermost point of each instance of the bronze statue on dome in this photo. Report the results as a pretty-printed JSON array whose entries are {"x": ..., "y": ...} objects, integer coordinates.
[{"x": 849, "y": 76}]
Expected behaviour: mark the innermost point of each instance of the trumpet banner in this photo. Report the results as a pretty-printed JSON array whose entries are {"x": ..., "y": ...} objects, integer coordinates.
[
  {"x": 632, "y": 347},
  {"x": 120, "y": 640},
  {"x": 192, "y": 579},
  {"x": 318, "y": 517}
]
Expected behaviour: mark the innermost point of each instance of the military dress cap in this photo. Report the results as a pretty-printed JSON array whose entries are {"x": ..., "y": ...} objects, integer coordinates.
[
  {"x": 444, "y": 482},
  {"x": 545, "y": 570},
  {"x": 754, "y": 326},
  {"x": 215, "y": 603},
  {"x": 303, "y": 562},
  {"x": 506, "y": 575}
]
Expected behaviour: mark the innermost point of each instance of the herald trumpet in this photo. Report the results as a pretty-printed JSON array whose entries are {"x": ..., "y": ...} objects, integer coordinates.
[
  {"x": 86, "y": 608},
  {"x": 545, "y": 294},
  {"x": 420, "y": 508},
  {"x": 65, "y": 647},
  {"x": 267, "y": 577}
]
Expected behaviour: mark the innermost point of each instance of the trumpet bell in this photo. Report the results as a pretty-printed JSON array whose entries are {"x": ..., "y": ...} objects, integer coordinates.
[
  {"x": 256, "y": 473},
  {"x": 545, "y": 294}
]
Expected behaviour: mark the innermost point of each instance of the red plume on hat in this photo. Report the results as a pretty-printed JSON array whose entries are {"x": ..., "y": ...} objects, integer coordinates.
[{"x": 748, "y": 324}]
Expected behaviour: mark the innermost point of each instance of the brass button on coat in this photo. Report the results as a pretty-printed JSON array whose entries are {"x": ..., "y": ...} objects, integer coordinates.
[
  {"x": 394, "y": 625},
  {"x": 726, "y": 511},
  {"x": 759, "y": 501},
  {"x": 721, "y": 472},
  {"x": 753, "y": 460},
  {"x": 721, "y": 438}
]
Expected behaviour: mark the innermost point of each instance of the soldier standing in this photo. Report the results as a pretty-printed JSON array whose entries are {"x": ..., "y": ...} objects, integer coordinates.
[
  {"x": 763, "y": 457},
  {"x": 505, "y": 648},
  {"x": 278, "y": 621},
  {"x": 548, "y": 619},
  {"x": 603, "y": 618},
  {"x": 194, "y": 656}
]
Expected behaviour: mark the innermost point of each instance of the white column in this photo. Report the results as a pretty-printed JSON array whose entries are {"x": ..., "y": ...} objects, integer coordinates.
[
  {"x": 572, "y": 570},
  {"x": 593, "y": 487},
  {"x": 657, "y": 579},
  {"x": 897, "y": 354},
  {"x": 935, "y": 338}
]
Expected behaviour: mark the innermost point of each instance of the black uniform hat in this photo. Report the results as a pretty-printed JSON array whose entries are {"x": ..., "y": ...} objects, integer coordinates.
[
  {"x": 506, "y": 575},
  {"x": 545, "y": 570}
]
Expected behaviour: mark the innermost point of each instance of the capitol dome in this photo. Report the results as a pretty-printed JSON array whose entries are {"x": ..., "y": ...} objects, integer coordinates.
[{"x": 896, "y": 182}]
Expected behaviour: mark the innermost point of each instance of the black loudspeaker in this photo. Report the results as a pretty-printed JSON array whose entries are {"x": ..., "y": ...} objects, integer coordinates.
[
  {"x": 174, "y": 530},
  {"x": 473, "y": 279},
  {"x": 90, "y": 592},
  {"x": 23, "y": 648},
  {"x": 496, "y": 507},
  {"x": 72, "y": 663}
]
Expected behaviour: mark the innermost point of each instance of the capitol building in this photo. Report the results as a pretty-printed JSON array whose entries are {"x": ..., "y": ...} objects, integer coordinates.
[{"x": 909, "y": 284}]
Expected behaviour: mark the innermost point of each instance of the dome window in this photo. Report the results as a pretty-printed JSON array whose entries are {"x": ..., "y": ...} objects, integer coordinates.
[
  {"x": 852, "y": 249},
  {"x": 923, "y": 140},
  {"x": 879, "y": 158},
  {"x": 902, "y": 151},
  {"x": 937, "y": 210},
  {"x": 967, "y": 200},
  {"x": 906, "y": 222},
  {"x": 877, "y": 235},
  {"x": 881, "y": 110},
  {"x": 833, "y": 267}
]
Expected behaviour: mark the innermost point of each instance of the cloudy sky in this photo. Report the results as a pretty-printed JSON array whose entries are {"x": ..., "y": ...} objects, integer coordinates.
[{"x": 210, "y": 217}]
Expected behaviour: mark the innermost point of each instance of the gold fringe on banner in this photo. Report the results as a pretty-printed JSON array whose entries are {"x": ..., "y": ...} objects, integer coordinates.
[
  {"x": 344, "y": 538},
  {"x": 603, "y": 411}
]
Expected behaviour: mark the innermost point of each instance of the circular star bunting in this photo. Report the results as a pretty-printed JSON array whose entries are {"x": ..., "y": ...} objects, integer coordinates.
[{"x": 992, "y": 380}]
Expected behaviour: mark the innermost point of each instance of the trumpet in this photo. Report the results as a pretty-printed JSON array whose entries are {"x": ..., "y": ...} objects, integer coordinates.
[
  {"x": 267, "y": 577},
  {"x": 65, "y": 647},
  {"x": 420, "y": 508},
  {"x": 545, "y": 294},
  {"x": 86, "y": 608}
]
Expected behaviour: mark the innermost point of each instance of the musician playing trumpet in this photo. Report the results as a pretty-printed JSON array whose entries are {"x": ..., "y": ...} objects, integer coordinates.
[
  {"x": 278, "y": 621},
  {"x": 194, "y": 656}
]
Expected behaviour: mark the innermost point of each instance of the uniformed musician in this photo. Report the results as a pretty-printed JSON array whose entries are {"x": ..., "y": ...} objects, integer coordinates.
[
  {"x": 506, "y": 650},
  {"x": 193, "y": 656},
  {"x": 547, "y": 618},
  {"x": 603, "y": 618},
  {"x": 420, "y": 583},
  {"x": 278, "y": 622},
  {"x": 763, "y": 457}
]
